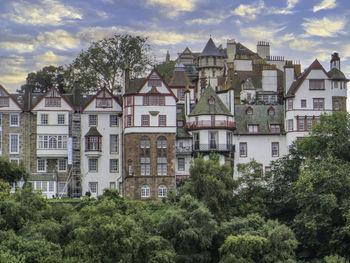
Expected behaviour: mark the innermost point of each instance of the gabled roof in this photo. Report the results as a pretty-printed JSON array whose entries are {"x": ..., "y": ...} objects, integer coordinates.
[
  {"x": 179, "y": 78},
  {"x": 101, "y": 90},
  {"x": 203, "y": 107},
  {"x": 135, "y": 85},
  {"x": 211, "y": 50},
  {"x": 93, "y": 132},
  {"x": 47, "y": 92},
  {"x": 335, "y": 73},
  {"x": 11, "y": 97},
  {"x": 297, "y": 83}
]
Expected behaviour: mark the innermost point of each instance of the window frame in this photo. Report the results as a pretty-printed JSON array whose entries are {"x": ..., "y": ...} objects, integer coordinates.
[
  {"x": 44, "y": 119},
  {"x": 145, "y": 120},
  {"x": 162, "y": 123},
  {"x": 115, "y": 149},
  {"x": 18, "y": 143},
  {"x": 290, "y": 124},
  {"x": 90, "y": 165},
  {"x": 316, "y": 101},
  {"x": 245, "y": 147},
  {"x": 273, "y": 128},
  {"x": 253, "y": 128},
  {"x": 17, "y": 124},
  {"x": 113, "y": 120},
  {"x": 41, "y": 165},
  {"x": 93, "y": 123},
  {"x": 115, "y": 165},
  {"x": 145, "y": 191},
  {"x": 162, "y": 191},
  {"x": 60, "y": 117},
  {"x": 303, "y": 103},
  {"x": 276, "y": 154},
  {"x": 181, "y": 166},
  {"x": 59, "y": 165},
  {"x": 313, "y": 86}
]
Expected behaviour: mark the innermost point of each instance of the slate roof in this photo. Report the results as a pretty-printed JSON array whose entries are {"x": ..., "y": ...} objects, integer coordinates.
[
  {"x": 134, "y": 86},
  {"x": 260, "y": 116},
  {"x": 335, "y": 73},
  {"x": 211, "y": 50},
  {"x": 93, "y": 132},
  {"x": 179, "y": 78},
  {"x": 203, "y": 107}
]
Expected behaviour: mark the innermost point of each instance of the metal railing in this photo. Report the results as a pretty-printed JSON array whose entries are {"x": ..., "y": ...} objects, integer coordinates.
[
  {"x": 213, "y": 147},
  {"x": 183, "y": 149},
  {"x": 231, "y": 125}
]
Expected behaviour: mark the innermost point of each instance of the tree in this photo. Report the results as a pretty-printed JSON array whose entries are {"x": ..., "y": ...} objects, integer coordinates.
[
  {"x": 11, "y": 172},
  {"x": 166, "y": 70},
  {"x": 44, "y": 79},
  {"x": 212, "y": 184},
  {"x": 104, "y": 62}
]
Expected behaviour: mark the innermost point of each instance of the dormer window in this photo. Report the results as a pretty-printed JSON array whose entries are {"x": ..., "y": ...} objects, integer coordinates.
[
  {"x": 104, "y": 100},
  {"x": 53, "y": 99},
  {"x": 4, "y": 99},
  {"x": 271, "y": 111},
  {"x": 249, "y": 111},
  {"x": 154, "y": 81},
  {"x": 93, "y": 143},
  {"x": 211, "y": 100}
]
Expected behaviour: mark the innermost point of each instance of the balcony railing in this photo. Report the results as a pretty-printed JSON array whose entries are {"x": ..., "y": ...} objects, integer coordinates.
[
  {"x": 213, "y": 147},
  {"x": 183, "y": 149},
  {"x": 217, "y": 124}
]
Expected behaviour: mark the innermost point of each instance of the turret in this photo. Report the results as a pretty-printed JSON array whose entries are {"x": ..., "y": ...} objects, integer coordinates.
[{"x": 335, "y": 61}]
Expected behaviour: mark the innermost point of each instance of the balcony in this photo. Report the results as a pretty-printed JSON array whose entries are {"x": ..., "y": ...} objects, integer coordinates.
[
  {"x": 213, "y": 147},
  {"x": 183, "y": 149},
  {"x": 217, "y": 124}
]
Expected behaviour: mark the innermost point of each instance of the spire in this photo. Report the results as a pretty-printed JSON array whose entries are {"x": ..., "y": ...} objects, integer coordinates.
[
  {"x": 211, "y": 50},
  {"x": 167, "y": 58}
]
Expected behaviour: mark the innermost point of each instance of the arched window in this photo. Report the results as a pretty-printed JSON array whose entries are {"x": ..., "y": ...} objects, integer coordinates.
[
  {"x": 271, "y": 111},
  {"x": 145, "y": 142},
  {"x": 161, "y": 142},
  {"x": 52, "y": 142},
  {"x": 162, "y": 191},
  {"x": 145, "y": 191}
]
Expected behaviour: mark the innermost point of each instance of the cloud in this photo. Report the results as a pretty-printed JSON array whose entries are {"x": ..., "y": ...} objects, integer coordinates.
[
  {"x": 323, "y": 27},
  {"x": 174, "y": 7},
  {"x": 207, "y": 21},
  {"x": 46, "y": 12},
  {"x": 303, "y": 45},
  {"x": 48, "y": 58},
  {"x": 325, "y": 4},
  {"x": 58, "y": 39},
  {"x": 17, "y": 46},
  {"x": 261, "y": 32},
  {"x": 291, "y": 3},
  {"x": 249, "y": 11}
]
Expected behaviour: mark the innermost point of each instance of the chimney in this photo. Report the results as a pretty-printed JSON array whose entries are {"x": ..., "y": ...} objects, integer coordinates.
[
  {"x": 263, "y": 49},
  {"x": 127, "y": 78},
  {"x": 288, "y": 75},
  {"x": 76, "y": 92},
  {"x": 335, "y": 61},
  {"x": 231, "y": 50},
  {"x": 28, "y": 94}
]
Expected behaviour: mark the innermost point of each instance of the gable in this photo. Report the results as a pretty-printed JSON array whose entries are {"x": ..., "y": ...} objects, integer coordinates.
[
  {"x": 7, "y": 102},
  {"x": 103, "y": 101},
  {"x": 53, "y": 101},
  {"x": 154, "y": 84}
]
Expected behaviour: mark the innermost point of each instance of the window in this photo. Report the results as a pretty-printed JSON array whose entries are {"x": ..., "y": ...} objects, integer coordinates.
[
  {"x": 145, "y": 100},
  {"x": 301, "y": 123},
  {"x": 229, "y": 140},
  {"x": 62, "y": 188},
  {"x": 93, "y": 165},
  {"x": 196, "y": 140},
  {"x": 144, "y": 120},
  {"x": 162, "y": 191},
  {"x": 52, "y": 142},
  {"x": 154, "y": 83},
  {"x": 145, "y": 142},
  {"x": 112, "y": 185},
  {"x": 14, "y": 143},
  {"x": 336, "y": 105},
  {"x": 162, "y": 166},
  {"x": 41, "y": 165},
  {"x": 213, "y": 137},
  {"x": 128, "y": 101},
  {"x": 93, "y": 143},
  {"x": 92, "y": 120},
  {"x": 253, "y": 128},
  {"x": 290, "y": 124},
  {"x": 290, "y": 104},
  {"x": 14, "y": 120},
  {"x": 275, "y": 128},
  {"x": 316, "y": 84},
  {"x": 249, "y": 111},
  {"x": 181, "y": 164},
  {"x": 129, "y": 121},
  {"x": 309, "y": 124},
  {"x": 113, "y": 165},
  {"x": 104, "y": 100},
  {"x": 318, "y": 104},
  {"x": 243, "y": 149},
  {"x": 154, "y": 100},
  {"x": 53, "y": 99},
  {"x": 60, "y": 119},
  {"x": 51, "y": 186},
  {"x": 93, "y": 187},
  {"x": 113, "y": 120},
  {"x": 181, "y": 94},
  {"x": 14, "y": 160},
  {"x": 214, "y": 62},
  {"x": 113, "y": 140},
  {"x": 180, "y": 123},
  {"x": 161, "y": 142},
  {"x": 4, "y": 99},
  {"x": 62, "y": 165},
  {"x": 44, "y": 119},
  {"x": 303, "y": 103},
  {"x": 145, "y": 165},
  {"x": 275, "y": 149},
  {"x": 162, "y": 120},
  {"x": 145, "y": 191},
  {"x": 271, "y": 111}
]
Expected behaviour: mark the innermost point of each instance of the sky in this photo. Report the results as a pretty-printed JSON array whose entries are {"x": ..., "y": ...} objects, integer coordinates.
[{"x": 38, "y": 33}]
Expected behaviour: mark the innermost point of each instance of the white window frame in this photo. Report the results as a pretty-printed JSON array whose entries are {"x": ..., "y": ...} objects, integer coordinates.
[
  {"x": 181, "y": 165},
  {"x": 114, "y": 146},
  {"x": 92, "y": 121},
  {"x": 162, "y": 166},
  {"x": 145, "y": 191},
  {"x": 44, "y": 119},
  {"x": 59, "y": 119},
  {"x": 113, "y": 122},
  {"x": 93, "y": 187},
  {"x": 61, "y": 188},
  {"x": 290, "y": 125},
  {"x": 18, "y": 121},
  {"x": 162, "y": 191},
  {"x": 113, "y": 168},
  {"x": 275, "y": 152},
  {"x": 90, "y": 166},
  {"x": 243, "y": 149},
  {"x": 40, "y": 165},
  {"x": 61, "y": 162},
  {"x": 14, "y": 160},
  {"x": 10, "y": 143}
]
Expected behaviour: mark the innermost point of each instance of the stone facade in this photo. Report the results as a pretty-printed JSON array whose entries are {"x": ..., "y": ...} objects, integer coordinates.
[{"x": 133, "y": 181}]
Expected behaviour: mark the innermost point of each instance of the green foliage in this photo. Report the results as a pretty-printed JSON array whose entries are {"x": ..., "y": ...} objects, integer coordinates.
[
  {"x": 166, "y": 70},
  {"x": 212, "y": 184},
  {"x": 103, "y": 63},
  {"x": 11, "y": 172},
  {"x": 335, "y": 259}
]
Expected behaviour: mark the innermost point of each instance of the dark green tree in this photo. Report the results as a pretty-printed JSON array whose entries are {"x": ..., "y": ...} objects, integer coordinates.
[
  {"x": 166, "y": 70},
  {"x": 11, "y": 172}
]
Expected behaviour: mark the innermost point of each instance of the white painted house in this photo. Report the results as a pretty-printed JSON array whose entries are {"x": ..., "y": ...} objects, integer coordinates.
[{"x": 101, "y": 138}]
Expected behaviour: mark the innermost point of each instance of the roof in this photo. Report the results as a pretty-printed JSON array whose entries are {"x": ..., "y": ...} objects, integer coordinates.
[
  {"x": 179, "y": 78},
  {"x": 134, "y": 85},
  {"x": 260, "y": 116},
  {"x": 297, "y": 83},
  {"x": 335, "y": 73},
  {"x": 211, "y": 50},
  {"x": 203, "y": 107},
  {"x": 243, "y": 50},
  {"x": 93, "y": 132}
]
